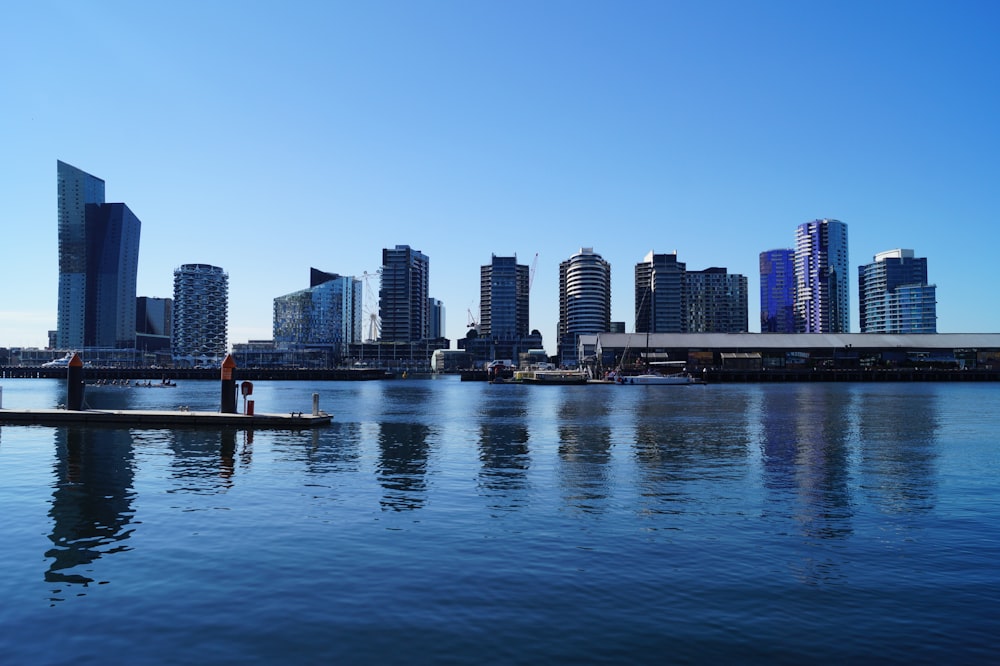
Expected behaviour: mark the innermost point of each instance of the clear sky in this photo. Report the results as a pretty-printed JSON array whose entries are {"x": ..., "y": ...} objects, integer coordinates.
[{"x": 268, "y": 138}]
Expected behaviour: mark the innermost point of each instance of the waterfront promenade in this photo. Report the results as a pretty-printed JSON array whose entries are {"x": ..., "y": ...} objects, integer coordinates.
[{"x": 711, "y": 376}]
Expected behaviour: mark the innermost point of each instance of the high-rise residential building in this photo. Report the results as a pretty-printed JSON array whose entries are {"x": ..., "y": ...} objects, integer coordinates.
[
  {"x": 404, "y": 307},
  {"x": 777, "y": 291},
  {"x": 437, "y": 328},
  {"x": 153, "y": 323},
  {"x": 584, "y": 300},
  {"x": 327, "y": 314},
  {"x": 503, "y": 299},
  {"x": 98, "y": 264},
  {"x": 716, "y": 301},
  {"x": 201, "y": 313},
  {"x": 822, "y": 298},
  {"x": 660, "y": 298},
  {"x": 671, "y": 299},
  {"x": 895, "y": 296}
]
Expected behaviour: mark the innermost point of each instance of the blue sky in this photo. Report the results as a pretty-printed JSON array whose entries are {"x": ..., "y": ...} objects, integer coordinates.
[{"x": 268, "y": 138}]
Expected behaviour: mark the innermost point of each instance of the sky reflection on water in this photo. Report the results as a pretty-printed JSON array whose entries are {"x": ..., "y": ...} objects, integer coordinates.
[{"x": 780, "y": 512}]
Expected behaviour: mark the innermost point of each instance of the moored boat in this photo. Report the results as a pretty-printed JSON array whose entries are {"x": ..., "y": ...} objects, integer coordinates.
[{"x": 678, "y": 379}]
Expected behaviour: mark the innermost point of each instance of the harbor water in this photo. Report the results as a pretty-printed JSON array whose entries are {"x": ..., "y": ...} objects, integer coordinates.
[{"x": 446, "y": 522}]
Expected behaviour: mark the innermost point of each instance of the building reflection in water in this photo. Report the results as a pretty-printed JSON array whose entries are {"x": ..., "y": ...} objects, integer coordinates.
[
  {"x": 806, "y": 452},
  {"x": 898, "y": 454},
  {"x": 503, "y": 448},
  {"x": 336, "y": 449},
  {"x": 584, "y": 450},
  {"x": 204, "y": 461},
  {"x": 685, "y": 447},
  {"x": 402, "y": 465},
  {"x": 92, "y": 501}
]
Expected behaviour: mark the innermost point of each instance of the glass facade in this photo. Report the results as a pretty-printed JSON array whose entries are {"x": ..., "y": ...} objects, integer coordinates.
[
  {"x": 328, "y": 313},
  {"x": 895, "y": 296},
  {"x": 112, "y": 265},
  {"x": 660, "y": 295},
  {"x": 777, "y": 291},
  {"x": 75, "y": 190},
  {"x": 822, "y": 300},
  {"x": 503, "y": 299}
]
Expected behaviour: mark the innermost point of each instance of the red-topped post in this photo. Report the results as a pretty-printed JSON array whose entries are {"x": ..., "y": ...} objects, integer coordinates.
[
  {"x": 74, "y": 384},
  {"x": 228, "y": 385}
]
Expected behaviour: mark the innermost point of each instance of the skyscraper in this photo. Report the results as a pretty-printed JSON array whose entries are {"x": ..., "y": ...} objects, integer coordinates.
[
  {"x": 584, "y": 300},
  {"x": 660, "y": 298},
  {"x": 503, "y": 299},
  {"x": 895, "y": 296},
  {"x": 777, "y": 291},
  {"x": 98, "y": 263},
  {"x": 716, "y": 301},
  {"x": 404, "y": 308},
  {"x": 328, "y": 313},
  {"x": 822, "y": 299},
  {"x": 153, "y": 323},
  {"x": 201, "y": 312},
  {"x": 671, "y": 299},
  {"x": 437, "y": 327}
]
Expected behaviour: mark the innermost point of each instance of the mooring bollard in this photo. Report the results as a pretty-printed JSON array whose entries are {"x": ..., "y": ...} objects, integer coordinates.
[
  {"x": 74, "y": 384},
  {"x": 228, "y": 405},
  {"x": 315, "y": 404}
]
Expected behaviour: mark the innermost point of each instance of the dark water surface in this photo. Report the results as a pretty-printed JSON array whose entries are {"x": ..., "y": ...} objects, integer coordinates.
[{"x": 445, "y": 522}]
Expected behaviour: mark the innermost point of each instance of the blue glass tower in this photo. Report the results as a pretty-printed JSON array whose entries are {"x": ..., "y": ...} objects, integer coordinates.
[
  {"x": 777, "y": 291},
  {"x": 98, "y": 263}
]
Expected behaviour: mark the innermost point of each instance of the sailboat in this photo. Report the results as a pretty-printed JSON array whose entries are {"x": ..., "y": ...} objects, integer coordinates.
[{"x": 654, "y": 376}]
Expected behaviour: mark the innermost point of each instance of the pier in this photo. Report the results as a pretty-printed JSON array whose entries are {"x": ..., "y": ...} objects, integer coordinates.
[
  {"x": 227, "y": 416},
  {"x": 132, "y": 418}
]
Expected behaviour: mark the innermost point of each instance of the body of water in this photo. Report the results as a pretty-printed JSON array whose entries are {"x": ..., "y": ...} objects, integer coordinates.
[{"x": 441, "y": 522}]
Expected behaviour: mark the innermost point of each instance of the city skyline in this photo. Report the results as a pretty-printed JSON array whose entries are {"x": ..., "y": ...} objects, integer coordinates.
[{"x": 516, "y": 130}]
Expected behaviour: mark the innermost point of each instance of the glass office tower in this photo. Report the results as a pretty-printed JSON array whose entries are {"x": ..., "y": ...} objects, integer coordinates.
[
  {"x": 777, "y": 291},
  {"x": 98, "y": 264}
]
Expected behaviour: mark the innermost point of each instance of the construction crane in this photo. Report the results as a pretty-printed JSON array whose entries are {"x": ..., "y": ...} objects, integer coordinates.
[{"x": 531, "y": 273}]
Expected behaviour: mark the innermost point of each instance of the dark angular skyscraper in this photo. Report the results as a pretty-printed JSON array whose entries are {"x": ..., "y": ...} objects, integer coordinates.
[{"x": 98, "y": 264}]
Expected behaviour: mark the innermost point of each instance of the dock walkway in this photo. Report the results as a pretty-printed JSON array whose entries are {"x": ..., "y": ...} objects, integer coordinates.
[{"x": 163, "y": 418}]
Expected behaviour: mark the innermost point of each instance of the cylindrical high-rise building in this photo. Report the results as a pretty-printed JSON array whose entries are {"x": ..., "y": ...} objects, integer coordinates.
[
  {"x": 584, "y": 300},
  {"x": 822, "y": 297},
  {"x": 201, "y": 312}
]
